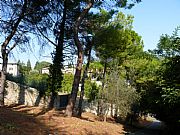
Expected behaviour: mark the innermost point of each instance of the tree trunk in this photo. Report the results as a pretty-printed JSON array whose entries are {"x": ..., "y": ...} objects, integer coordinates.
[
  {"x": 106, "y": 111},
  {"x": 116, "y": 111},
  {"x": 83, "y": 80},
  {"x": 52, "y": 99},
  {"x": 104, "y": 74},
  {"x": 3, "y": 78},
  {"x": 111, "y": 109},
  {"x": 100, "y": 100},
  {"x": 77, "y": 76}
]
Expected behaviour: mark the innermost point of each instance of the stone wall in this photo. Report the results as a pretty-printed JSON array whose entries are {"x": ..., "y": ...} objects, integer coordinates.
[{"x": 19, "y": 94}]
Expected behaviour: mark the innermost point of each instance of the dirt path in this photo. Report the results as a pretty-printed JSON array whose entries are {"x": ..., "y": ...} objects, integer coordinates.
[{"x": 152, "y": 129}]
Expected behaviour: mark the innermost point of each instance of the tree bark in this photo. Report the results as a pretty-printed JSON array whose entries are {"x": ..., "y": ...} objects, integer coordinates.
[
  {"x": 77, "y": 76},
  {"x": 104, "y": 74},
  {"x": 52, "y": 99},
  {"x": 3, "y": 78},
  {"x": 83, "y": 80},
  {"x": 111, "y": 109}
]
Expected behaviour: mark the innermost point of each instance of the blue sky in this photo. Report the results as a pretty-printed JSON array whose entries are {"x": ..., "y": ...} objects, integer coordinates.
[{"x": 152, "y": 18}]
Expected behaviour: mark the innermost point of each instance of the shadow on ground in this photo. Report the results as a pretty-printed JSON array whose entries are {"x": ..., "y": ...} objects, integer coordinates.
[
  {"x": 14, "y": 120},
  {"x": 26, "y": 120}
]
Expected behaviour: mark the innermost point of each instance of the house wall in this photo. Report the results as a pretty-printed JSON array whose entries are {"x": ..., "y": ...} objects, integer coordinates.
[
  {"x": 66, "y": 70},
  {"x": 12, "y": 68},
  {"x": 45, "y": 70}
]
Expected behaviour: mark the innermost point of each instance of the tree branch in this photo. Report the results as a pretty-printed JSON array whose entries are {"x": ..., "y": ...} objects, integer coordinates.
[
  {"x": 12, "y": 47},
  {"x": 46, "y": 36},
  {"x": 14, "y": 29},
  {"x": 78, "y": 22}
]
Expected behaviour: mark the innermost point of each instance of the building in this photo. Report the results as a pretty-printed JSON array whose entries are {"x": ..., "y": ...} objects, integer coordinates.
[
  {"x": 69, "y": 70},
  {"x": 45, "y": 70},
  {"x": 66, "y": 70},
  {"x": 12, "y": 68}
]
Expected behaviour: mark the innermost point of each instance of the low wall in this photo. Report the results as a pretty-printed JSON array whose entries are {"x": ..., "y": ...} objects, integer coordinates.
[{"x": 19, "y": 94}]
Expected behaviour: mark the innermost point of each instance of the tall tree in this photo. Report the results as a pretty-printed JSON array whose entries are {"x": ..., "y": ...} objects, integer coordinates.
[
  {"x": 29, "y": 65},
  {"x": 59, "y": 25},
  {"x": 116, "y": 40},
  {"x": 79, "y": 45},
  {"x": 56, "y": 74},
  {"x": 85, "y": 73},
  {"x": 77, "y": 76},
  {"x": 94, "y": 24}
]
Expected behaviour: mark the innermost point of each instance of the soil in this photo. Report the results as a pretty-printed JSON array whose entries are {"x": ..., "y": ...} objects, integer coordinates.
[{"x": 24, "y": 120}]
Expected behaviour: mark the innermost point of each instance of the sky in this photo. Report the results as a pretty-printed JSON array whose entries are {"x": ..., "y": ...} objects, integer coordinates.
[{"x": 152, "y": 18}]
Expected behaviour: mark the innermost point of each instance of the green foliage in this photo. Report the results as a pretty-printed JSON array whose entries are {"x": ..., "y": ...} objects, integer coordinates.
[
  {"x": 142, "y": 69},
  {"x": 116, "y": 39},
  {"x": 163, "y": 95},
  {"x": 168, "y": 46},
  {"x": 96, "y": 69},
  {"x": 18, "y": 79},
  {"x": 23, "y": 69},
  {"x": 114, "y": 3},
  {"x": 55, "y": 71},
  {"x": 91, "y": 90},
  {"x": 99, "y": 19},
  {"x": 29, "y": 65},
  {"x": 169, "y": 88},
  {"x": 30, "y": 78},
  {"x": 38, "y": 81},
  {"x": 67, "y": 83},
  {"x": 35, "y": 80},
  {"x": 95, "y": 65}
]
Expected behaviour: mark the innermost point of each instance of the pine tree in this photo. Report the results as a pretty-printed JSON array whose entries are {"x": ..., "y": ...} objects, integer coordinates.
[{"x": 29, "y": 65}]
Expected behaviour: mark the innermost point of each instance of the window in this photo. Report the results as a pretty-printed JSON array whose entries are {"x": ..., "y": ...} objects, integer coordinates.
[{"x": 10, "y": 69}]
